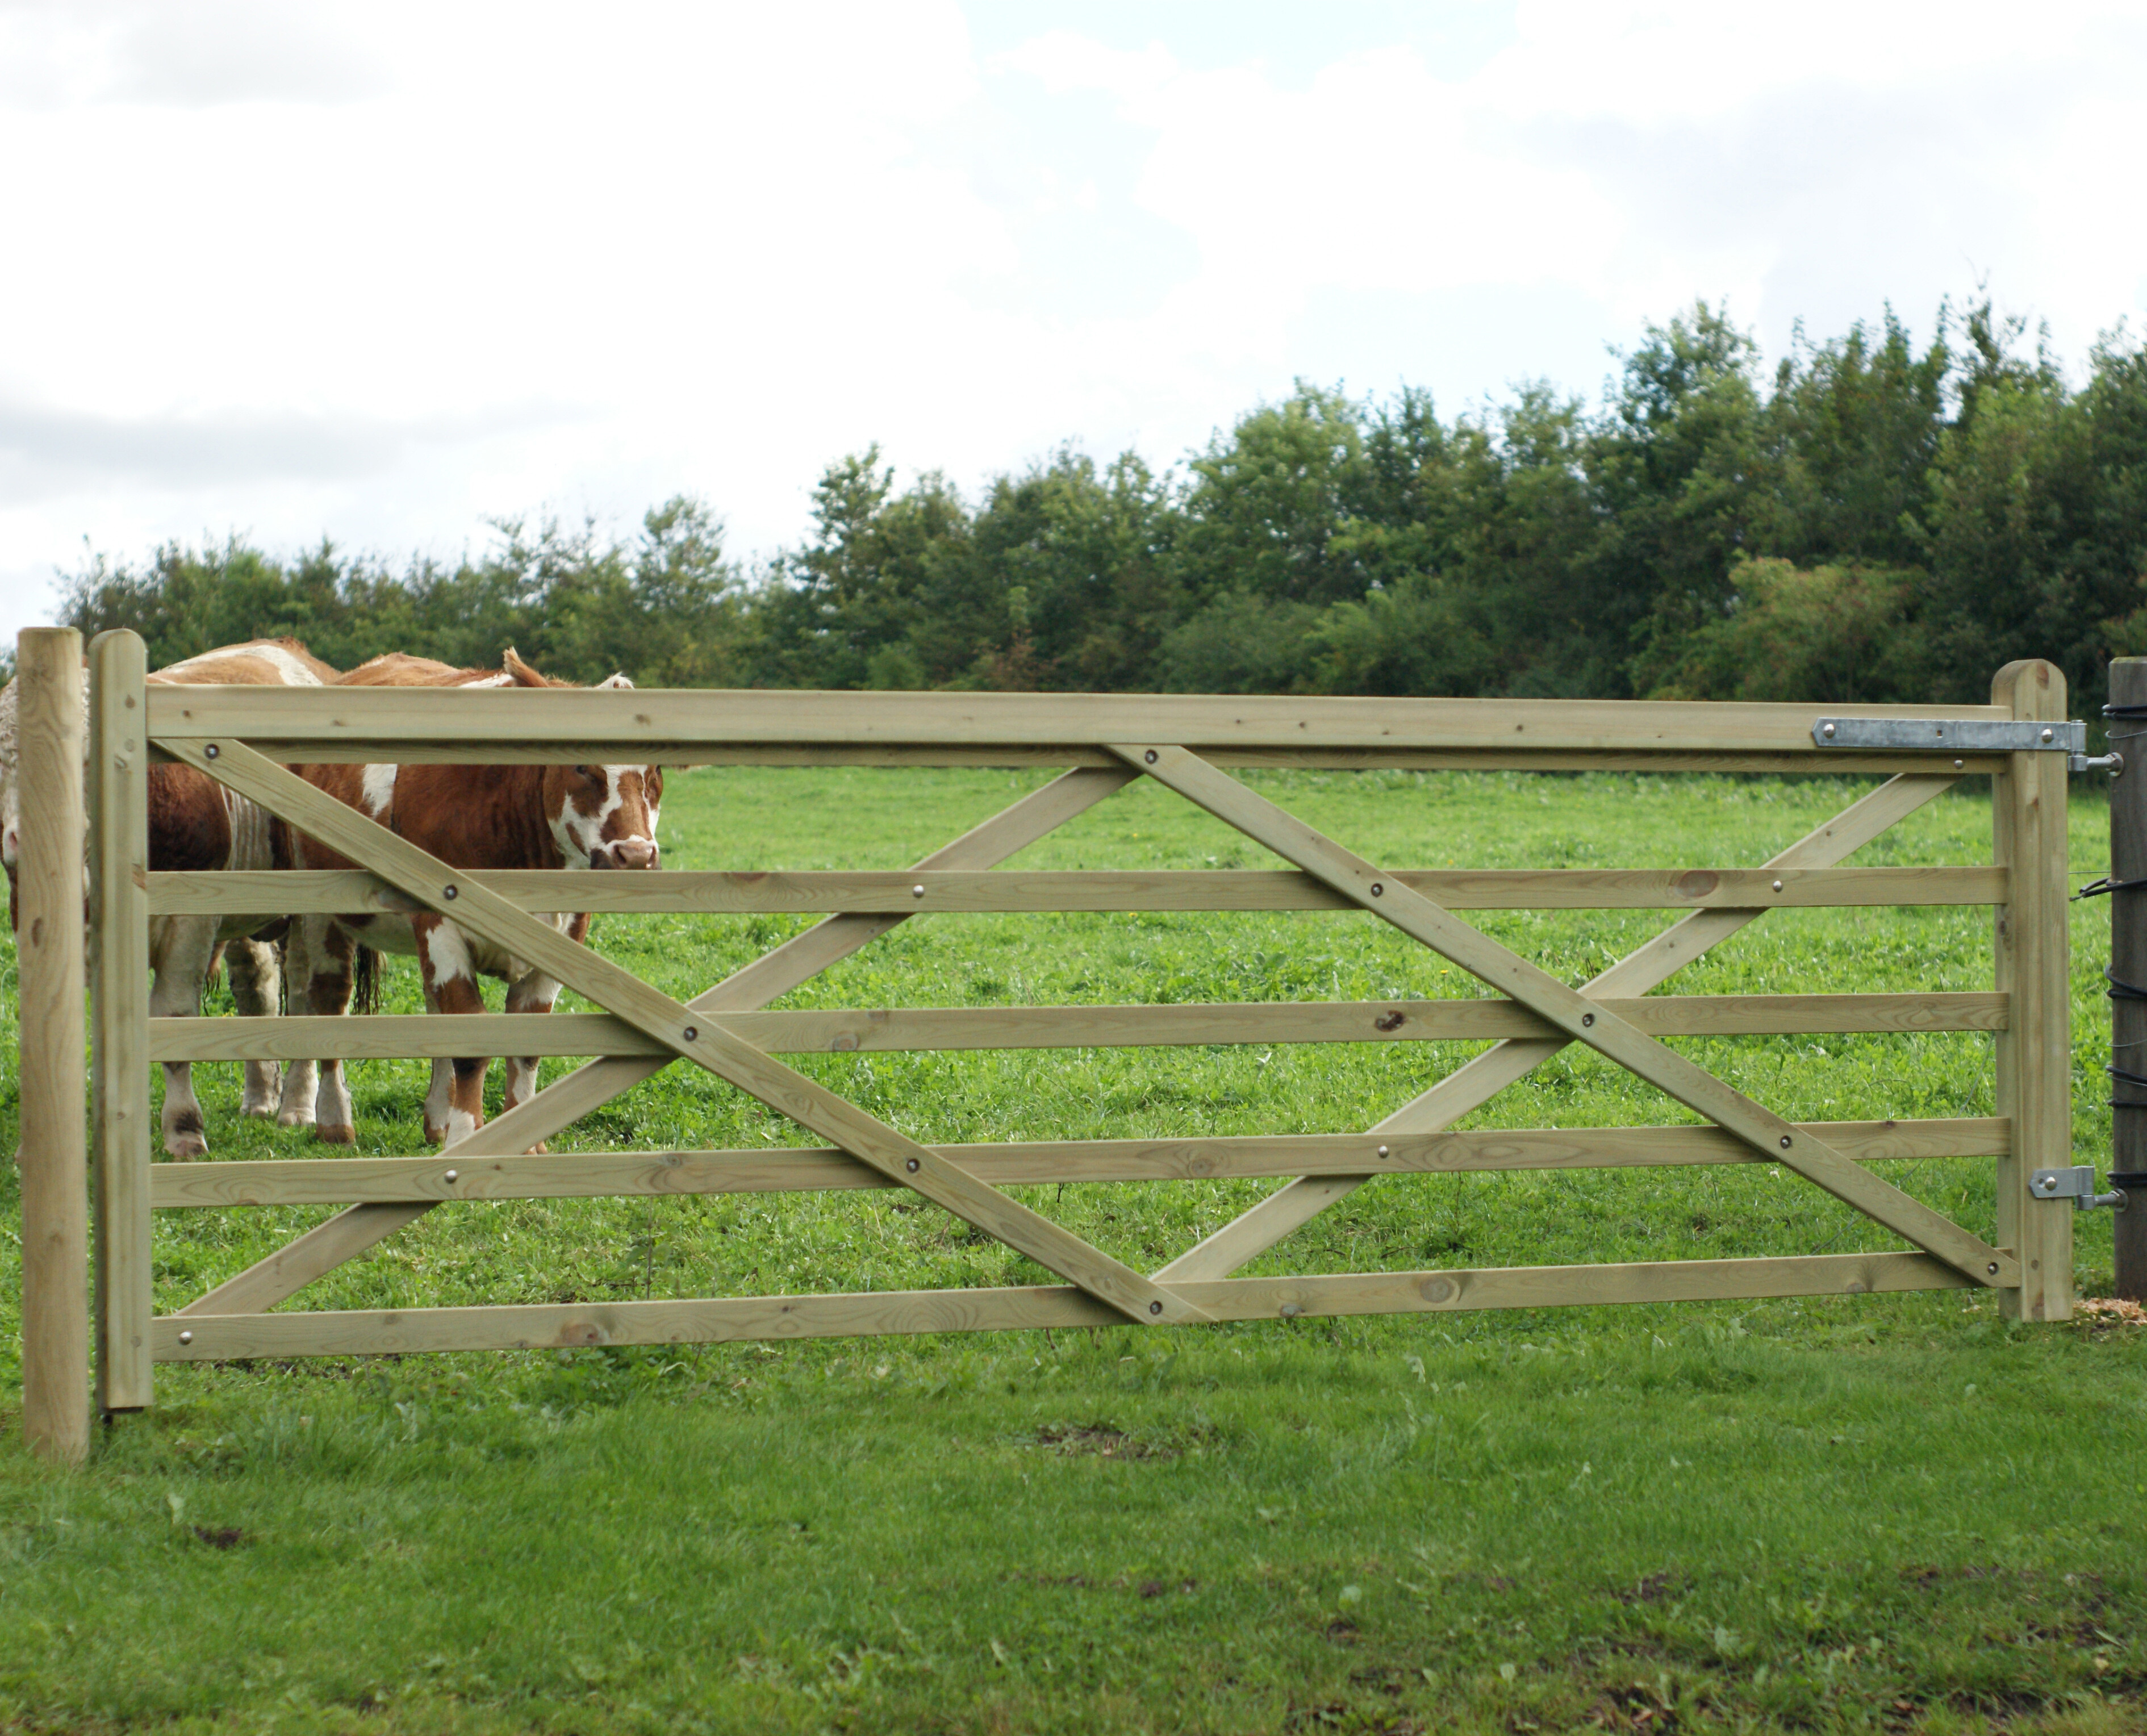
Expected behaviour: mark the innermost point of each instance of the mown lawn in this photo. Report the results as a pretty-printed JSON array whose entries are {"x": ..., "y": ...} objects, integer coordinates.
[{"x": 1880, "y": 1511}]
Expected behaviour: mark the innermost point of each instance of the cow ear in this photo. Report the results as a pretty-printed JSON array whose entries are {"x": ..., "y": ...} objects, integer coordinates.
[
  {"x": 523, "y": 676},
  {"x": 615, "y": 683}
]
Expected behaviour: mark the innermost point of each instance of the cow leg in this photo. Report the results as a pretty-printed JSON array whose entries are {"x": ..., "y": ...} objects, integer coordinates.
[
  {"x": 252, "y": 966},
  {"x": 301, "y": 1079},
  {"x": 333, "y": 954},
  {"x": 450, "y": 976},
  {"x": 182, "y": 950},
  {"x": 533, "y": 993},
  {"x": 439, "y": 1095}
]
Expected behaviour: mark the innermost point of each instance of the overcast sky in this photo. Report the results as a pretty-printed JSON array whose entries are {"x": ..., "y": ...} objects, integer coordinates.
[{"x": 383, "y": 272}]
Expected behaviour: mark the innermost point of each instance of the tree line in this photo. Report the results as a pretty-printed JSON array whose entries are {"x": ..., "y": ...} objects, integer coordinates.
[{"x": 1867, "y": 522}]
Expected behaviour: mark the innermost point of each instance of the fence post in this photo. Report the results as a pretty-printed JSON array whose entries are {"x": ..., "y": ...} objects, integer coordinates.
[
  {"x": 49, "y": 976},
  {"x": 2035, "y": 1051},
  {"x": 119, "y": 963},
  {"x": 2127, "y": 963}
]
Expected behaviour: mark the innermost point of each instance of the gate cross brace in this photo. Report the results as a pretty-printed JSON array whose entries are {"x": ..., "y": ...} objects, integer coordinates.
[
  {"x": 1475, "y": 1082},
  {"x": 695, "y": 1036},
  {"x": 1581, "y": 1019}
]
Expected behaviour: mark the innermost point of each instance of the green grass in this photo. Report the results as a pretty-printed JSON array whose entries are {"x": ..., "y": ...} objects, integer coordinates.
[{"x": 1881, "y": 1512}]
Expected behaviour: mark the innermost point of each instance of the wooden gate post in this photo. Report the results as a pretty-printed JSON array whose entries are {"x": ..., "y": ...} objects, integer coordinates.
[
  {"x": 2127, "y": 963},
  {"x": 49, "y": 974},
  {"x": 119, "y": 907},
  {"x": 2035, "y": 1051}
]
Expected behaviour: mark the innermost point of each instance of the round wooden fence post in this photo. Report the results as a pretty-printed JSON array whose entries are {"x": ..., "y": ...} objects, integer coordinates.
[
  {"x": 56, "y": 1406},
  {"x": 2127, "y": 963}
]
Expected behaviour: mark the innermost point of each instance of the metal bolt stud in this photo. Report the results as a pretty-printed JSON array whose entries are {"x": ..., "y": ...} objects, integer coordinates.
[
  {"x": 1828, "y": 731},
  {"x": 911, "y": 1165},
  {"x": 450, "y": 1177},
  {"x": 1155, "y": 1307},
  {"x": 186, "y": 1337},
  {"x": 1785, "y": 1142},
  {"x": 1383, "y": 1151},
  {"x": 1377, "y": 889},
  {"x": 1777, "y": 886},
  {"x": 451, "y": 893},
  {"x": 1149, "y": 756},
  {"x": 1588, "y": 1018},
  {"x": 212, "y": 751},
  {"x": 917, "y": 892},
  {"x": 2049, "y": 735},
  {"x": 1992, "y": 1269},
  {"x": 692, "y": 1034},
  {"x": 1959, "y": 763}
]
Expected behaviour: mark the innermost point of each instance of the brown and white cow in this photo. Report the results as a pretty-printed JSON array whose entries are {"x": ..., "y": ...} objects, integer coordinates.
[
  {"x": 471, "y": 817},
  {"x": 195, "y": 823}
]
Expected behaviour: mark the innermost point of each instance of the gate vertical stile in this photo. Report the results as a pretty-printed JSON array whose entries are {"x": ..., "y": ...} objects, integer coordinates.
[
  {"x": 2034, "y": 1052},
  {"x": 119, "y": 937}
]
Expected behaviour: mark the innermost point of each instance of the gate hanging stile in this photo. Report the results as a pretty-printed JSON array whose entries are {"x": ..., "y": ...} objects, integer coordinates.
[{"x": 245, "y": 738}]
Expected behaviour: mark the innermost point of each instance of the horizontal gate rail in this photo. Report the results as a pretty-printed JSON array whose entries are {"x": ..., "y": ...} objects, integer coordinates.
[
  {"x": 204, "y": 1338},
  {"x": 798, "y": 1169},
  {"x": 329, "y": 892},
  {"x": 1192, "y": 745},
  {"x": 889, "y": 1030}
]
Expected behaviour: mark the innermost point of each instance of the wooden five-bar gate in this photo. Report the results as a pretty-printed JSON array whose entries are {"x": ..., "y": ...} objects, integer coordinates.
[{"x": 246, "y": 737}]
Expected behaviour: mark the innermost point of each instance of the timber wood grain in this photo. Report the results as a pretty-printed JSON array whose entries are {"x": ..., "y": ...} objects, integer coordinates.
[
  {"x": 565, "y": 1101},
  {"x": 119, "y": 858},
  {"x": 330, "y": 891},
  {"x": 886, "y": 1030},
  {"x": 1577, "y": 1016},
  {"x": 717, "y": 1319},
  {"x": 49, "y": 967},
  {"x": 318, "y": 1181},
  {"x": 1289, "y": 1207},
  {"x": 287, "y": 720},
  {"x": 694, "y": 1036},
  {"x": 2035, "y": 1058}
]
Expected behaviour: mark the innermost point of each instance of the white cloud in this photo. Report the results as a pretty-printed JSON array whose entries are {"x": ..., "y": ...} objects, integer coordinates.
[{"x": 384, "y": 270}]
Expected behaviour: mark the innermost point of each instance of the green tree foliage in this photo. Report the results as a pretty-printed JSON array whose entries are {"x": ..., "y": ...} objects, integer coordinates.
[{"x": 1872, "y": 522}]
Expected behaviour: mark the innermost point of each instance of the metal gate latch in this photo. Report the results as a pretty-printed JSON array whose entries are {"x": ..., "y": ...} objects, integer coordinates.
[
  {"x": 1966, "y": 735},
  {"x": 2076, "y": 1184}
]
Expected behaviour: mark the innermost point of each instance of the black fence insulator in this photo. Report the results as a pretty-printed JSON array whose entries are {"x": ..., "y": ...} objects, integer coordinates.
[{"x": 2098, "y": 888}]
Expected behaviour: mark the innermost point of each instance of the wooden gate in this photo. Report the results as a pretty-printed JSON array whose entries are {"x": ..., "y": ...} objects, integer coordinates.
[{"x": 244, "y": 737}]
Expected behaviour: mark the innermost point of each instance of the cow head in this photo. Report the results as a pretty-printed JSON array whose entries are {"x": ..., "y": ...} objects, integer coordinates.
[{"x": 601, "y": 816}]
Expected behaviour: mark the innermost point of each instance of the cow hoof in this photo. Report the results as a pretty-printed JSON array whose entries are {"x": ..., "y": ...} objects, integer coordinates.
[
  {"x": 435, "y": 1136},
  {"x": 260, "y": 1112},
  {"x": 184, "y": 1145},
  {"x": 294, "y": 1118},
  {"x": 336, "y": 1136}
]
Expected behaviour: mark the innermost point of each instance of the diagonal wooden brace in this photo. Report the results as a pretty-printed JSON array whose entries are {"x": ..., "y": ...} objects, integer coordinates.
[
  {"x": 1580, "y": 1017},
  {"x": 1475, "y": 1084},
  {"x": 696, "y": 1037},
  {"x": 563, "y": 1102}
]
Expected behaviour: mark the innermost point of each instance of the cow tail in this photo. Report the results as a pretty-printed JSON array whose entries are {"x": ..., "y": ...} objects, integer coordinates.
[{"x": 365, "y": 981}]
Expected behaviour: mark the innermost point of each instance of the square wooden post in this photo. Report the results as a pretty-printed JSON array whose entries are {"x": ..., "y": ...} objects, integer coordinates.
[
  {"x": 48, "y": 941},
  {"x": 119, "y": 930},
  {"x": 2035, "y": 1051}
]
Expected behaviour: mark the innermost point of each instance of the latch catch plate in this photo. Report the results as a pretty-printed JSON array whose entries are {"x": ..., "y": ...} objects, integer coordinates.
[{"x": 2075, "y": 1183}]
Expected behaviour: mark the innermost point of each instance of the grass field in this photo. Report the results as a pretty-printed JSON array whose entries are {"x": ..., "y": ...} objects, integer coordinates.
[{"x": 1894, "y": 1512}]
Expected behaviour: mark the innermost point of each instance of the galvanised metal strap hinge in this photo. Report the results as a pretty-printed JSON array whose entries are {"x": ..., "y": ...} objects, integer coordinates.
[
  {"x": 2077, "y": 1184},
  {"x": 1965, "y": 735}
]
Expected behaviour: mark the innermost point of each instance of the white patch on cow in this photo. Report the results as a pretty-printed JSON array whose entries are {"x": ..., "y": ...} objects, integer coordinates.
[
  {"x": 295, "y": 672},
  {"x": 447, "y": 955},
  {"x": 614, "y": 683},
  {"x": 501, "y": 680},
  {"x": 460, "y": 1124},
  {"x": 579, "y": 836},
  {"x": 377, "y": 787}
]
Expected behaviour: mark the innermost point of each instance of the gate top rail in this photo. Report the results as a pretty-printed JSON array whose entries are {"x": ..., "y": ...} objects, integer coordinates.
[{"x": 416, "y": 723}]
